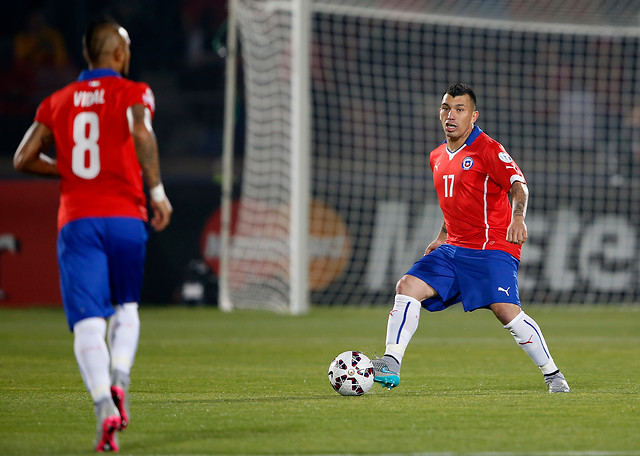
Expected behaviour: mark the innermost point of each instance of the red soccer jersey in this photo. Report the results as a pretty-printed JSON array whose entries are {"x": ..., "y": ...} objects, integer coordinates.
[
  {"x": 96, "y": 157},
  {"x": 473, "y": 185}
]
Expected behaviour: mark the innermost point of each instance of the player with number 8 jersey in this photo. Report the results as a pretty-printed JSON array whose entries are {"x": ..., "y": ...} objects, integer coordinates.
[
  {"x": 101, "y": 126},
  {"x": 99, "y": 169}
]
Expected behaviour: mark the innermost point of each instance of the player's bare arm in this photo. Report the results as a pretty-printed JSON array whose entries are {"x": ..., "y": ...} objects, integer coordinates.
[
  {"x": 517, "y": 230},
  {"x": 30, "y": 157},
  {"x": 441, "y": 239},
  {"x": 147, "y": 151},
  {"x": 146, "y": 144}
]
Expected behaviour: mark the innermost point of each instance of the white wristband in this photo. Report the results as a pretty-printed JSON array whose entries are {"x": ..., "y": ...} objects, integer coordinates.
[{"x": 157, "y": 193}]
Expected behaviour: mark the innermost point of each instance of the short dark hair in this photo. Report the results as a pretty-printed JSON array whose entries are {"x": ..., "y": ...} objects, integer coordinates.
[
  {"x": 460, "y": 88},
  {"x": 91, "y": 41}
]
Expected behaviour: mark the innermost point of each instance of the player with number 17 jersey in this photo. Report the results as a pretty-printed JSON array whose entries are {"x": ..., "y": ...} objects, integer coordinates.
[
  {"x": 96, "y": 156},
  {"x": 473, "y": 185}
]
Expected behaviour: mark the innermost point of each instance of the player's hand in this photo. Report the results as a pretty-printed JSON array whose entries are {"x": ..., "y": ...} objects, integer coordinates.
[
  {"x": 162, "y": 211},
  {"x": 517, "y": 231}
]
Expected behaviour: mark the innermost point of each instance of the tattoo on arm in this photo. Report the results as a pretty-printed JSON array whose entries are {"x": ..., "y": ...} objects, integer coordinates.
[
  {"x": 146, "y": 145},
  {"x": 444, "y": 228},
  {"x": 519, "y": 198},
  {"x": 518, "y": 209}
]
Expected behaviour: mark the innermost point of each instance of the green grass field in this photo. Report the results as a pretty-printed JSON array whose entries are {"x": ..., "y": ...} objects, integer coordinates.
[{"x": 206, "y": 382}]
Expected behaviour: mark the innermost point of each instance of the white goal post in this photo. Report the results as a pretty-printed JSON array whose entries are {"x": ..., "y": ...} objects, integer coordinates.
[{"x": 341, "y": 99}]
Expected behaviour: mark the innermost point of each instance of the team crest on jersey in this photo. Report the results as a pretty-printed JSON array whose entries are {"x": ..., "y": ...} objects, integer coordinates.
[
  {"x": 505, "y": 157},
  {"x": 467, "y": 163}
]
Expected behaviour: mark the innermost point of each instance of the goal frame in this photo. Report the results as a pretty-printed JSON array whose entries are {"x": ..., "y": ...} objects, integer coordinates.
[{"x": 299, "y": 295}]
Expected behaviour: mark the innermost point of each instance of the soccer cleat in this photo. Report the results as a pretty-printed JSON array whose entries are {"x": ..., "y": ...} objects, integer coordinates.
[
  {"x": 383, "y": 375},
  {"x": 109, "y": 422},
  {"x": 557, "y": 383},
  {"x": 120, "y": 394},
  {"x": 121, "y": 401}
]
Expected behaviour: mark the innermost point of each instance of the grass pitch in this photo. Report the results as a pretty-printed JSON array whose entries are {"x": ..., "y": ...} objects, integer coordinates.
[{"x": 207, "y": 382}]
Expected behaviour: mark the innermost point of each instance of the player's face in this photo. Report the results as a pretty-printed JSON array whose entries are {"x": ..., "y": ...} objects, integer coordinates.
[{"x": 457, "y": 115}]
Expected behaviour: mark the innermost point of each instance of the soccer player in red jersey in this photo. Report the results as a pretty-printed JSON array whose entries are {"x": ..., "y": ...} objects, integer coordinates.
[
  {"x": 105, "y": 145},
  {"x": 475, "y": 257}
]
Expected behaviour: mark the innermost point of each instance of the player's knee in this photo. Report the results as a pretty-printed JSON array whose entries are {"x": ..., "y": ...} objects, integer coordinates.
[
  {"x": 91, "y": 325},
  {"x": 127, "y": 314},
  {"x": 505, "y": 312},
  {"x": 412, "y": 286}
]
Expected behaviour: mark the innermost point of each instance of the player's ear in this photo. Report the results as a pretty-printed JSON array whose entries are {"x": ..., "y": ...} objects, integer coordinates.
[
  {"x": 85, "y": 55},
  {"x": 119, "y": 56},
  {"x": 118, "y": 53},
  {"x": 475, "y": 116}
]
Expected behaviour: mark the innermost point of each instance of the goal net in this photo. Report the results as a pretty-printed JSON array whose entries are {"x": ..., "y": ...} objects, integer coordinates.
[{"x": 558, "y": 84}]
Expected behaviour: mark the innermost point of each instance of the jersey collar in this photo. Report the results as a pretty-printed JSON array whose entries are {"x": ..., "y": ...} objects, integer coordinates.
[
  {"x": 473, "y": 136},
  {"x": 97, "y": 73},
  {"x": 470, "y": 139}
]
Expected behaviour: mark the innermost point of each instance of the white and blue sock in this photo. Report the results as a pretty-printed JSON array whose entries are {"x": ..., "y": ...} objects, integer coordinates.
[
  {"x": 528, "y": 335},
  {"x": 401, "y": 326}
]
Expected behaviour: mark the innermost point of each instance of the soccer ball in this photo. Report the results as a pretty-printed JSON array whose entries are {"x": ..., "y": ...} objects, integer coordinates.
[{"x": 351, "y": 373}]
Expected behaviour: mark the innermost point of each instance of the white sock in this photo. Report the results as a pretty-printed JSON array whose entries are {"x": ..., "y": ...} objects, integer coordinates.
[
  {"x": 92, "y": 356},
  {"x": 124, "y": 333},
  {"x": 528, "y": 335},
  {"x": 402, "y": 324}
]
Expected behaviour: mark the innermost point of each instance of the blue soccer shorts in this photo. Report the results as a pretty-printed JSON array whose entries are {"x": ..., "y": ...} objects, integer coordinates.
[
  {"x": 101, "y": 263},
  {"x": 477, "y": 278}
]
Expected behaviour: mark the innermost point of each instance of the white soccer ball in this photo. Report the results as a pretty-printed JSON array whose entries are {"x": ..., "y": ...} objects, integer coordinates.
[{"x": 351, "y": 373}]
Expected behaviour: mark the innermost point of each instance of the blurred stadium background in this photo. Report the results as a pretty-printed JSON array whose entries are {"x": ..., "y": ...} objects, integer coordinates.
[{"x": 558, "y": 85}]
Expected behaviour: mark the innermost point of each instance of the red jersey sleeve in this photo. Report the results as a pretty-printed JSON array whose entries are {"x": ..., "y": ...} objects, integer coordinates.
[
  {"x": 43, "y": 114},
  {"x": 142, "y": 94},
  {"x": 503, "y": 168}
]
